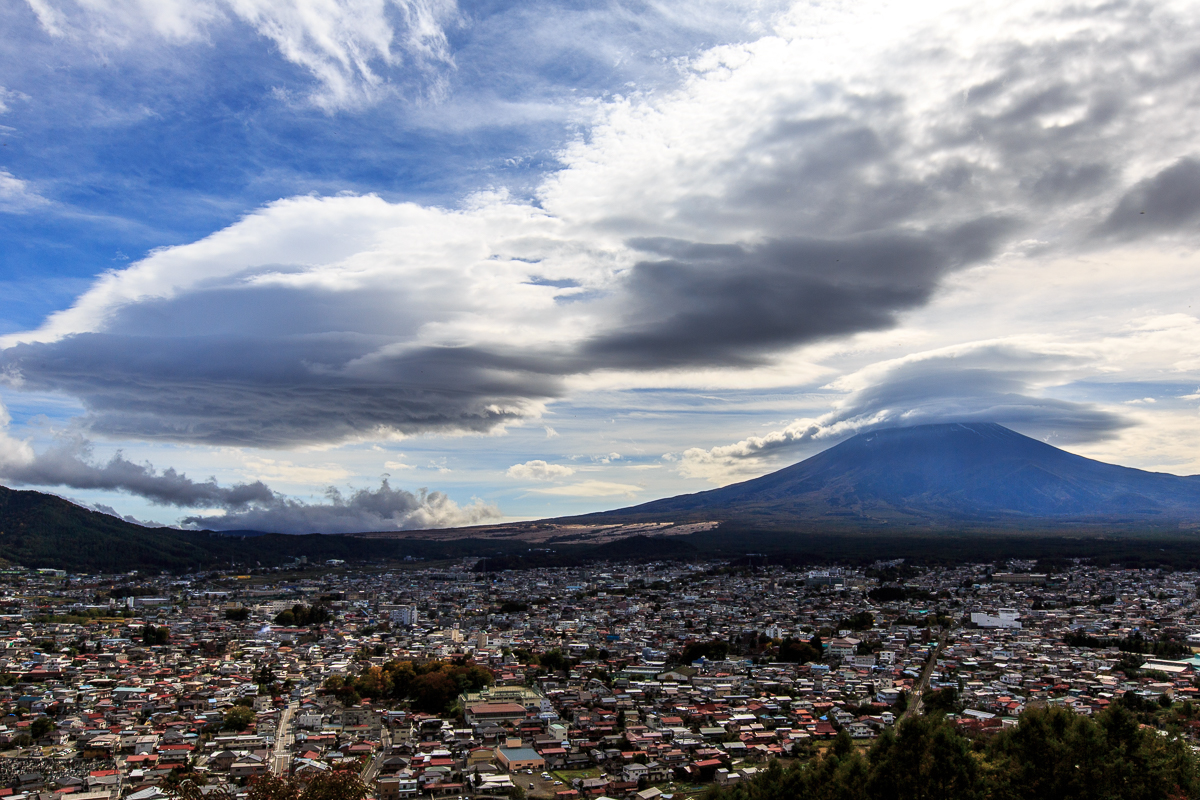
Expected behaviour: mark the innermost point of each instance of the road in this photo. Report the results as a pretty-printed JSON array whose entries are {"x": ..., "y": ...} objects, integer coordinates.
[
  {"x": 281, "y": 757},
  {"x": 914, "y": 704},
  {"x": 372, "y": 768}
]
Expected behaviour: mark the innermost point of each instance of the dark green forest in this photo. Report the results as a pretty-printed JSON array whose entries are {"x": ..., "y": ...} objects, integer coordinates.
[{"x": 1051, "y": 754}]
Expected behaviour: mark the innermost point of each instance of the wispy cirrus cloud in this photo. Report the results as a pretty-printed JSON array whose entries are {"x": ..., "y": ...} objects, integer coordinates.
[
  {"x": 17, "y": 196},
  {"x": 348, "y": 46}
]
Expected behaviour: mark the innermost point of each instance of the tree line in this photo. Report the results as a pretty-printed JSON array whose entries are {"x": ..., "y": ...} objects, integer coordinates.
[
  {"x": 431, "y": 686},
  {"x": 1051, "y": 754}
]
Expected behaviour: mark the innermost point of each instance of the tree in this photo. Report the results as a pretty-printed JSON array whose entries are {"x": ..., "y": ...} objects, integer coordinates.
[
  {"x": 331, "y": 785},
  {"x": 554, "y": 661},
  {"x": 152, "y": 635},
  {"x": 238, "y": 718},
  {"x": 797, "y": 652},
  {"x": 302, "y": 616},
  {"x": 335, "y": 785},
  {"x": 923, "y": 758},
  {"x": 240, "y": 614},
  {"x": 40, "y": 727},
  {"x": 174, "y": 782},
  {"x": 713, "y": 650},
  {"x": 861, "y": 621},
  {"x": 942, "y": 701},
  {"x": 433, "y": 691}
]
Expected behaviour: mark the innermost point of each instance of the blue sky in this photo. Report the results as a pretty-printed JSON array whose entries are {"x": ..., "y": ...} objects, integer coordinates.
[{"x": 258, "y": 256}]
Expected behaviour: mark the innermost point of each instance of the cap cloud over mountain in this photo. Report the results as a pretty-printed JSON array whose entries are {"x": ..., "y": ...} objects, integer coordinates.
[{"x": 960, "y": 475}]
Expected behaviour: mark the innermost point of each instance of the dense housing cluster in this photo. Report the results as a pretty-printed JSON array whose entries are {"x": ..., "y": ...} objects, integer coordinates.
[{"x": 624, "y": 681}]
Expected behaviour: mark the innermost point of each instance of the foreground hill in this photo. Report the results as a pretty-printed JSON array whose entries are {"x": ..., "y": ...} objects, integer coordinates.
[
  {"x": 970, "y": 475},
  {"x": 41, "y": 530}
]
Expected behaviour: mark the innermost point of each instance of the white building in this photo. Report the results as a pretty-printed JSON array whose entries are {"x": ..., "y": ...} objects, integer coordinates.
[{"x": 1004, "y": 618}]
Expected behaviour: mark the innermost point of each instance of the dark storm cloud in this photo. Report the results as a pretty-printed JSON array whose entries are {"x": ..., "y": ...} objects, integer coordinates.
[
  {"x": 278, "y": 392},
  {"x": 733, "y": 304},
  {"x": 69, "y": 464},
  {"x": 364, "y": 510},
  {"x": 1168, "y": 202}
]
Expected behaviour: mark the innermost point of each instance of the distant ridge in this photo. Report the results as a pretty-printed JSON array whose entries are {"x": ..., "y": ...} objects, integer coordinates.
[
  {"x": 969, "y": 478},
  {"x": 41, "y": 530},
  {"x": 944, "y": 476}
]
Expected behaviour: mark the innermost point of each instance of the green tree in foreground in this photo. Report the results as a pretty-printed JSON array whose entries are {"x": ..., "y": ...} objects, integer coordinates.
[{"x": 1051, "y": 754}]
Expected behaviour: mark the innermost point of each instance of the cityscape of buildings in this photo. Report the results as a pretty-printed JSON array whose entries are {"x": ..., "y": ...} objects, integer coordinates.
[{"x": 626, "y": 681}]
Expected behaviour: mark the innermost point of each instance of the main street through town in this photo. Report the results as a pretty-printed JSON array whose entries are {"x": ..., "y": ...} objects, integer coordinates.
[{"x": 281, "y": 756}]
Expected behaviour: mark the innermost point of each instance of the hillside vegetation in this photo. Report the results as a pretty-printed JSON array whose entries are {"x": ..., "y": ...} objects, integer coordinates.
[{"x": 1052, "y": 754}]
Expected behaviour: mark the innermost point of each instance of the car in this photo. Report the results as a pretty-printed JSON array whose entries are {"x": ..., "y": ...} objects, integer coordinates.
[{"x": 531, "y": 784}]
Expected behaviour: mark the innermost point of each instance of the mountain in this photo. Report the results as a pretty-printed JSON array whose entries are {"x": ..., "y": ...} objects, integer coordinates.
[
  {"x": 947, "y": 476},
  {"x": 41, "y": 530},
  {"x": 967, "y": 478}
]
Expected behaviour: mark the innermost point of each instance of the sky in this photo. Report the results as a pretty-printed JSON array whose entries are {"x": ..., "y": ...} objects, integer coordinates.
[{"x": 346, "y": 265}]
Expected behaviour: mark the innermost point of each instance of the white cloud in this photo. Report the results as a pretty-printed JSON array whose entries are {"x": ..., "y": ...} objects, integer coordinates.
[
  {"x": 14, "y": 453},
  {"x": 7, "y": 96},
  {"x": 16, "y": 196},
  {"x": 593, "y": 488},
  {"x": 538, "y": 470}
]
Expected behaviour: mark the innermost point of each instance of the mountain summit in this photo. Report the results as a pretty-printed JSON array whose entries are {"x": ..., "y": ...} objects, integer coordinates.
[{"x": 960, "y": 475}]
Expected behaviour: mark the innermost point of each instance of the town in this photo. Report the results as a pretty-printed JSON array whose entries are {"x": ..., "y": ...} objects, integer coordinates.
[{"x": 625, "y": 681}]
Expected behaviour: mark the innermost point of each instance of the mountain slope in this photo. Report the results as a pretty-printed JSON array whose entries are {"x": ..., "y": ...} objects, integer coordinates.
[
  {"x": 41, "y": 530},
  {"x": 937, "y": 476}
]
